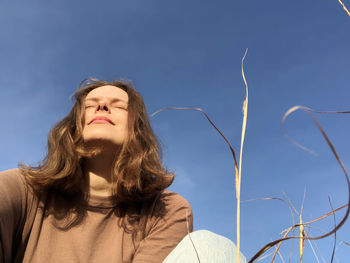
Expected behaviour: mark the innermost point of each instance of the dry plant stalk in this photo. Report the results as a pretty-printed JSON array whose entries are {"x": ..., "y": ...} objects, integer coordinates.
[
  {"x": 189, "y": 235},
  {"x": 264, "y": 256},
  {"x": 237, "y": 171},
  {"x": 335, "y": 233},
  {"x": 344, "y": 7},
  {"x": 238, "y": 180},
  {"x": 259, "y": 256},
  {"x": 314, "y": 252},
  {"x": 340, "y": 162},
  {"x": 287, "y": 231},
  {"x": 302, "y": 232},
  {"x": 211, "y": 122},
  {"x": 290, "y": 206},
  {"x": 302, "y": 240},
  {"x": 293, "y": 230}
]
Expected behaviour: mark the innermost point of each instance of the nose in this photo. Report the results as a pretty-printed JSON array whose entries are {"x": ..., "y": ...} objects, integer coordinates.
[{"x": 102, "y": 106}]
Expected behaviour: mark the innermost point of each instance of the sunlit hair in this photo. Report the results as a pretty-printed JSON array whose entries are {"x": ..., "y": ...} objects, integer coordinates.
[{"x": 138, "y": 173}]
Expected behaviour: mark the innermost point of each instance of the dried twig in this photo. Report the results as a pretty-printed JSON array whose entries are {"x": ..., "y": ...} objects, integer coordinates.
[
  {"x": 290, "y": 206},
  {"x": 238, "y": 180},
  {"x": 310, "y": 111},
  {"x": 313, "y": 250},
  {"x": 293, "y": 230},
  {"x": 346, "y": 10},
  {"x": 263, "y": 257},
  {"x": 335, "y": 233},
  {"x": 302, "y": 230},
  {"x": 211, "y": 122},
  {"x": 189, "y": 235}
]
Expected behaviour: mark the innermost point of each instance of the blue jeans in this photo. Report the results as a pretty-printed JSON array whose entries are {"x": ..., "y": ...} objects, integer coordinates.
[{"x": 210, "y": 248}]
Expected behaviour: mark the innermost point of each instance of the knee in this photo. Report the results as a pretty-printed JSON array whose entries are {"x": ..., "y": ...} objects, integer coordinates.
[{"x": 210, "y": 237}]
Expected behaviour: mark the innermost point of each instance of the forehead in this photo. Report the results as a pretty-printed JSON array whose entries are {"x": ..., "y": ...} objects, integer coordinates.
[{"x": 108, "y": 92}]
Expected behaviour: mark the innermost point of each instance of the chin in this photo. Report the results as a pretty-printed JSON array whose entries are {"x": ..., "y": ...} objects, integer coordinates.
[{"x": 98, "y": 142}]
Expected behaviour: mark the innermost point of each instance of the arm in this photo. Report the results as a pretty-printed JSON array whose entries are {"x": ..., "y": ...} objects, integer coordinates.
[
  {"x": 166, "y": 231},
  {"x": 12, "y": 211}
]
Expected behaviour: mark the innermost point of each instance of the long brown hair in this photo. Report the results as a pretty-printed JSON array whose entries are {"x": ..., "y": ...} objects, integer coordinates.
[{"x": 138, "y": 173}]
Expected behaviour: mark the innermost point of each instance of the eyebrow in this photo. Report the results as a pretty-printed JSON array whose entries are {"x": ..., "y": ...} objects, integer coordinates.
[{"x": 111, "y": 101}]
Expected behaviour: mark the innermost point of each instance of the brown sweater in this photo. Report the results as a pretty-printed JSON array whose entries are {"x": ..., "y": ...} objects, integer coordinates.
[{"x": 28, "y": 234}]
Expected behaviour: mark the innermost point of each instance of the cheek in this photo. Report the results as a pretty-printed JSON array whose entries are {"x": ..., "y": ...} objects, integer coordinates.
[
  {"x": 84, "y": 122},
  {"x": 127, "y": 127},
  {"x": 126, "y": 121},
  {"x": 85, "y": 115}
]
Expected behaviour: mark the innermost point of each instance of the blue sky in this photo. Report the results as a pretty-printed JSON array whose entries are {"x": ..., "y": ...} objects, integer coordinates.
[{"x": 188, "y": 53}]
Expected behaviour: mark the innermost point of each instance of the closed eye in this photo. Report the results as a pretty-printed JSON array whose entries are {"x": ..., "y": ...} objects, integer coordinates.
[{"x": 118, "y": 106}]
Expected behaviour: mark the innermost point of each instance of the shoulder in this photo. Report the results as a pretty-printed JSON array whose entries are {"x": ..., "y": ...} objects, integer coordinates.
[
  {"x": 11, "y": 172},
  {"x": 172, "y": 199},
  {"x": 14, "y": 190},
  {"x": 12, "y": 181},
  {"x": 171, "y": 206}
]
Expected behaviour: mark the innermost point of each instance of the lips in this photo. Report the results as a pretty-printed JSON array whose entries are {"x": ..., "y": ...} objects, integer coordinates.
[{"x": 101, "y": 119}]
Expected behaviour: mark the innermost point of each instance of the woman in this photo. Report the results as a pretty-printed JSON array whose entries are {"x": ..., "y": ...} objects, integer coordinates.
[{"x": 99, "y": 194}]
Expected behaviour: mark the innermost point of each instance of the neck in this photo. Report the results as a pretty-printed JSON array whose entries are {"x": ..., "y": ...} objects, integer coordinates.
[{"x": 98, "y": 170}]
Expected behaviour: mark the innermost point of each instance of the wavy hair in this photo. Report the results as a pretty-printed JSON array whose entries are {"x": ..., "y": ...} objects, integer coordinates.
[{"x": 137, "y": 173}]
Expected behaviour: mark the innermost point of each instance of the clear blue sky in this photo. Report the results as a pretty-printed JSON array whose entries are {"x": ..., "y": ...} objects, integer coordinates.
[{"x": 188, "y": 53}]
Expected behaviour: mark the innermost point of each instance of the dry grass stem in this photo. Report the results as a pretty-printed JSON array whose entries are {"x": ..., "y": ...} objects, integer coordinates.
[
  {"x": 310, "y": 113},
  {"x": 285, "y": 237},
  {"x": 211, "y": 122},
  {"x": 293, "y": 221},
  {"x": 238, "y": 180},
  {"x": 302, "y": 238},
  {"x": 302, "y": 230},
  {"x": 326, "y": 215},
  {"x": 313, "y": 250},
  {"x": 287, "y": 231},
  {"x": 335, "y": 233},
  {"x": 290, "y": 203},
  {"x": 273, "y": 257},
  {"x": 263, "y": 257},
  {"x": 279, "y": 245},
  {"x": 280, "y": 255},
  {"x": 290, "y": 206},
  {"x": 189, "y": 235},
  {"x": 291, "y": 110},
  {"x": 346, "y": 10}
]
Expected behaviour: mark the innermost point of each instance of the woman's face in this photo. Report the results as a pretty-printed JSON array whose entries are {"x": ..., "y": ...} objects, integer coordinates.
[{"x": 106, "y": 116}]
